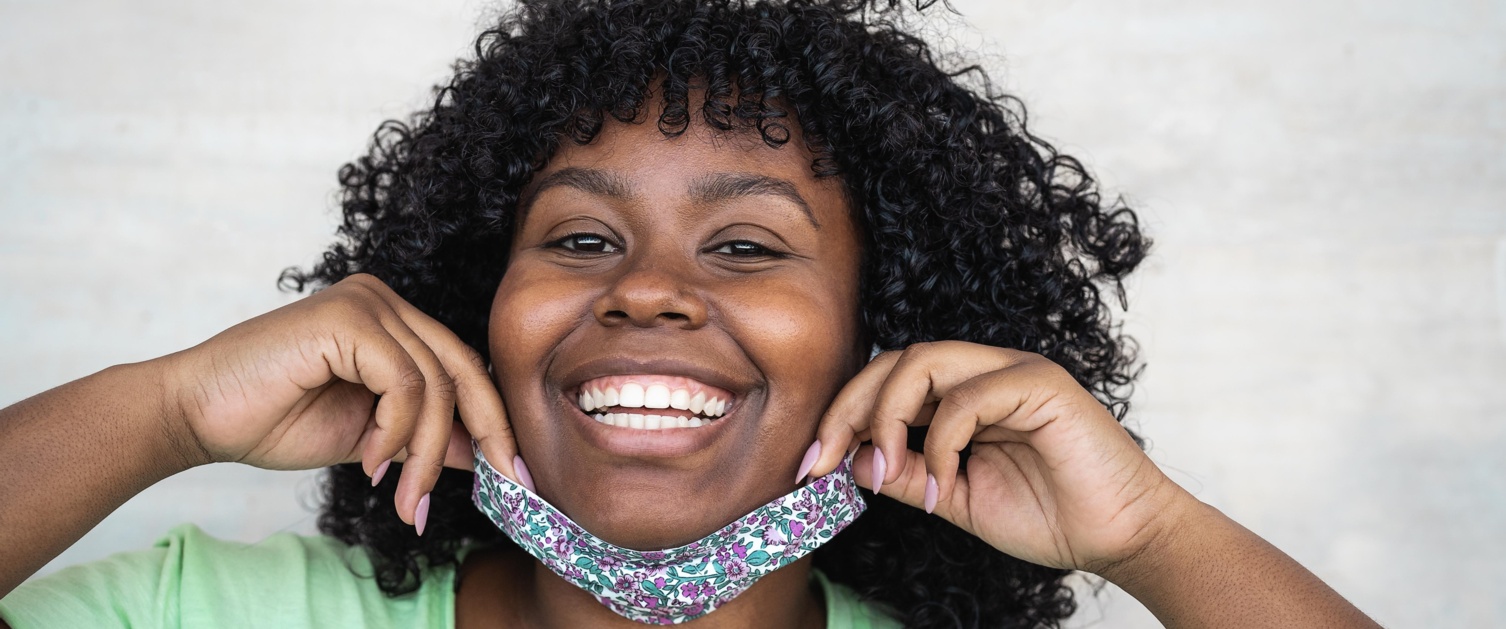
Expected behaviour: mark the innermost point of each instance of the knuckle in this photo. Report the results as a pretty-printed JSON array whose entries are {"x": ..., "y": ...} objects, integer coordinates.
[
  {"x": 411, "y": 382},
  {"x": 472, "y": 358},
  {"x": 442, "y": 385}
]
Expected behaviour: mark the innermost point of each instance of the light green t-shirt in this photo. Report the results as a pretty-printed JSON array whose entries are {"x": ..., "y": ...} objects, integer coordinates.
[{"x": 189, "y": 579}]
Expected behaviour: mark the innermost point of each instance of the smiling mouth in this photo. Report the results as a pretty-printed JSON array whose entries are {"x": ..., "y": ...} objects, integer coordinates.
[{"x": 652, "y": 402}]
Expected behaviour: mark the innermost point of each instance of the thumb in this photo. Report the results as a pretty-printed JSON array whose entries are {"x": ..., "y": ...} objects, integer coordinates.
[{"x": 909, "y": 482}]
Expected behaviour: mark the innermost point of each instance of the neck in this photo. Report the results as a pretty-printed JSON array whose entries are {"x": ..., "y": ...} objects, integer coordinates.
[{"x": 507, "y": 588}]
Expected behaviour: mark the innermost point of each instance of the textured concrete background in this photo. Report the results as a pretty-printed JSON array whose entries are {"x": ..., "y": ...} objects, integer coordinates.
[{"x": 1324, "y": 318}]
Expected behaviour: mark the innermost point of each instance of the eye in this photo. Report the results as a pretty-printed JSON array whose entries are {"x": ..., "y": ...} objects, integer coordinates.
[
  {"x": 584, "y": 242},
  {"x": 745, "y": 249}
]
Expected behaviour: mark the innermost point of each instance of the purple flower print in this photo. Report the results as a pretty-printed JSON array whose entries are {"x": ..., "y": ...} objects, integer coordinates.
[
  {"x": 653, "y": 555},
  {"x": 624, "y": 583},
  {"x": 659, "y": 583},
  {"x": 695, "y": 610},
  {"x": 609, "y": 562},
  {"x": 820, "y": 485},
  {"x": 708, "y": 590},
  {"x": 740, "y": 550},
  {"x": 773, "y": 537},
  {"x": 687, "y": 590},
  {"x": 562, "y": 546},
  {"x": 736, "y": 569},
  {"x": 797, "y": 529}
]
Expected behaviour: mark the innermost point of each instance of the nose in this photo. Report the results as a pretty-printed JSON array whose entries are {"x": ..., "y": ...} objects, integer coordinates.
[{"x": 648, "y": 295}]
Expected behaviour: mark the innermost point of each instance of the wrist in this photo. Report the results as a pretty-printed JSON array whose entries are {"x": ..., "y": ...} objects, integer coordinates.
[
  {"x": 1181, "y": 516},
  {"x": 173, "y": 421}
]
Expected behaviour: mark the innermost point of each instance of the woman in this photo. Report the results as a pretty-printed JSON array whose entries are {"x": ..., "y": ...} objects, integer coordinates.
[{"x": 716, "y": 212}]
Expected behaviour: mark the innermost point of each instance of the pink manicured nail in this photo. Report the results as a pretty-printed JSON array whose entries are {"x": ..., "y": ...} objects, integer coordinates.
[
  {"x": 931, "y": 492},
  {"x": 421, "y": 515},
  {"x": 879, "y": 467},
  {"x": 809, "y": 461},
  {"x": 523, "y": 475},
  {"x": 381, "y": 470}
]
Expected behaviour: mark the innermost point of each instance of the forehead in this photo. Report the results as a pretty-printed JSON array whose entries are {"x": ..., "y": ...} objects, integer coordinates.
[{"x": 639, "y": 160}]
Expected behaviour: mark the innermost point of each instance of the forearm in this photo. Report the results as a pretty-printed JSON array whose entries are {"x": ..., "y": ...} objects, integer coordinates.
[
  {"x": 1208, "y": 571},
  {"x": 72, "y": 455}
]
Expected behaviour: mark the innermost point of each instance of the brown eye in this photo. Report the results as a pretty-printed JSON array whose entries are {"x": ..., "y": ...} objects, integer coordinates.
[
  {"x": 743, "y": 248},
  {"x": 585, "y": 243}
]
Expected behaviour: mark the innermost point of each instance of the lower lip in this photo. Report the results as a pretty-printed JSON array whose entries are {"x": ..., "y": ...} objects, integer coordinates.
[{"x": 664, "y": 443}]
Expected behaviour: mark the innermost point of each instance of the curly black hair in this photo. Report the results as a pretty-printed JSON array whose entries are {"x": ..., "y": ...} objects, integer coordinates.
[{"x": 974, "y": 230}]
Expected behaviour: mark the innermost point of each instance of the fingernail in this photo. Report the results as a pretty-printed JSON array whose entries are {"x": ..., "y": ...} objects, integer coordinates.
[
  {"x": 879, "y": 467},
  {"x": 809, "y": 461},
  {"x": 381, "y": 470},
  {"x": 930, "y": 493},
  {"x": 421, "y": 515},
  {"x": 523, "y": 475}
]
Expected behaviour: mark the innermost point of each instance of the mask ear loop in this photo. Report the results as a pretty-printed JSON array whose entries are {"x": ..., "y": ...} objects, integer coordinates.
[{"x": 874, "y": 354}]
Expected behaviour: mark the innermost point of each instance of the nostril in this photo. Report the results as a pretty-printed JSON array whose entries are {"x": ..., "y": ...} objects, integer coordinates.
[{"x": 675, "y": 316}]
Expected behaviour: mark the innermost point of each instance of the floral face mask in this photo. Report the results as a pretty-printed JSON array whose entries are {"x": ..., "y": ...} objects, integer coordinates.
[{"x": 669, "y": 587}]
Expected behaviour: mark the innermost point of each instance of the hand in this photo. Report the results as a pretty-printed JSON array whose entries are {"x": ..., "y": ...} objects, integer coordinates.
[
  {"x": 294, "y": 389},
  {"x": 1053, "y": 479}
]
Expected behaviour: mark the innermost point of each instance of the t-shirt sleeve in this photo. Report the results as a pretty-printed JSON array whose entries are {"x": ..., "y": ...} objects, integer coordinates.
[
  {"x": 190, "y": 579},
  {"x": 132, "y": 589}
]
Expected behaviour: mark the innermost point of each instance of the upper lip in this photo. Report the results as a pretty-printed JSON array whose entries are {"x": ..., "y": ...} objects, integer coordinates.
[{"x": 627, "y": 365}]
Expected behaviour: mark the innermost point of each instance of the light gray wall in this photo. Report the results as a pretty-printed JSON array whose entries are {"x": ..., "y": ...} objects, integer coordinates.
[{"x": 1324, "y": 318}]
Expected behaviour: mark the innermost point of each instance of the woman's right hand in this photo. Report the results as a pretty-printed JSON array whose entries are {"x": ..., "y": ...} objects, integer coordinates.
[{"x": 294, "y": 389}]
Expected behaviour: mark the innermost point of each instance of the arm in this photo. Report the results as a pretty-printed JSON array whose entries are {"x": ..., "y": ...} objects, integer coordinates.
[
  {"x": 1053, "y": 479},
  {"x": 295, "y": 388},
  {"x": 72, "y": 455},
  {"x": 1205, "y": 570}
]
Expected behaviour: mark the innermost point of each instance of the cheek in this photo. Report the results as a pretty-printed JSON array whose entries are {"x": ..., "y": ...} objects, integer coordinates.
[
  {"x": 529, "y": 316},
  {"x": 801, "y": 340}
]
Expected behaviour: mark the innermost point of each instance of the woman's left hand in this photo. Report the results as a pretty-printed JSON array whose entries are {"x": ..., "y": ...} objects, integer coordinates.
[{"x": 1053, "y": 479}]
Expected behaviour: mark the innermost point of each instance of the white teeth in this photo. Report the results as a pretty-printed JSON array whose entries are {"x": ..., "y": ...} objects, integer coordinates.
[
  {"x": 649, "y": 422},
  {"x": 656, "y": 396},
  {"x": 632, "y": 395}
]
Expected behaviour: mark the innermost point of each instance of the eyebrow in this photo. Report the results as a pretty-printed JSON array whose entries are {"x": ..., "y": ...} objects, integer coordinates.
[
  {"x": 722, "y": 186},
  {"x": 711, "y": 188},
  {"x": 598, "y": 182}
]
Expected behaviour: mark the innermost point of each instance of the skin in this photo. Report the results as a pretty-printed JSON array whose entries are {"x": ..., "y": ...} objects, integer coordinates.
[
  {"x": 742, "y": 286},
  {"x": 1053, "y": 478}
]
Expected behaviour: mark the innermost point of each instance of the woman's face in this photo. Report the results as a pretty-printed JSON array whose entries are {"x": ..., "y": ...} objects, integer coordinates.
[{"x": 697, "y": 272}]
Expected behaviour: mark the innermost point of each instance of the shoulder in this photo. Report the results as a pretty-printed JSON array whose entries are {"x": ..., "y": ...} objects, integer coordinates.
[
  {"x": 191, "y": 579},
  {"x": 845, "y": 610}
]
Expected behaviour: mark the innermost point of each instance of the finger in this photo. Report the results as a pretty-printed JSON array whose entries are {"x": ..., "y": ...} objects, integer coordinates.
[
  {"x": 846, "y": 420},
  {"x": 908, "y": 484},
  {"x": 458, "y": 453},
  {"x": 922, "y": 375},
  {"x": 426, "y": 449},
  {"x": 966, "y": 409},
  {"x": 481, "y": 409},
  {"x": 378, "y": 362}
]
